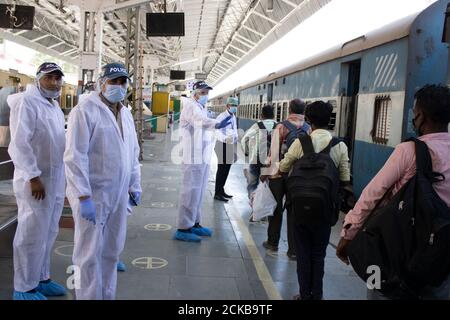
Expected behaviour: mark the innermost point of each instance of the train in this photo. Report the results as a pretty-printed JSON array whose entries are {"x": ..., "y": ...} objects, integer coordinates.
[{"x": 370, "y": 82}]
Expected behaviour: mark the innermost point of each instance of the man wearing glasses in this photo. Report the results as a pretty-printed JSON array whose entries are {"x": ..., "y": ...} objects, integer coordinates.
[{"x": 227, "y": 138}]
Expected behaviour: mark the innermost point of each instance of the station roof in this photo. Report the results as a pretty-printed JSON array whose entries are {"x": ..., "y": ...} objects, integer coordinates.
[{"x": 226, "y": 33}]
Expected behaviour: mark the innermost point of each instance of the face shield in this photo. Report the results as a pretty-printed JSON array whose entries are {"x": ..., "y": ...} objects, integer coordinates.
[{"x": 50, "y": 84}]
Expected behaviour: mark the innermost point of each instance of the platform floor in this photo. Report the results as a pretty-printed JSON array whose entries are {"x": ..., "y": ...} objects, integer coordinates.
[{"x": 230, "y": 265}]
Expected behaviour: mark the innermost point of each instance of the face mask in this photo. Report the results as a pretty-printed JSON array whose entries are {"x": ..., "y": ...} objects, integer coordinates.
[
  {"x": 203, "y": 100},
  {"x": 233, "y": 109},
  {"x": 115, "y": 93},
  {"x": 50, "y": 94}
]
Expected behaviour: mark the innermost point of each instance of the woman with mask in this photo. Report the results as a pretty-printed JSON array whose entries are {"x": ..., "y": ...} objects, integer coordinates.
[
  {"x": 431, "y": 117},
  {"x": 103, "y": 174},
  {"x": 37, "y": 148},
  {"x": 226, "y": 148}
]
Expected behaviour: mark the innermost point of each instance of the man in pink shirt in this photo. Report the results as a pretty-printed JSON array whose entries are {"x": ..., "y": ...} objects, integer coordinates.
[{"x": 431, "y": 120}]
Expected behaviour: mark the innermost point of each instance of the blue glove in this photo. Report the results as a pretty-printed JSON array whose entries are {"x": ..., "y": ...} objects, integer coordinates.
[
  {"x": 135, "y": 198},
  {"x": 87, "y": 209},
  {"x": 225, "y": 122}
]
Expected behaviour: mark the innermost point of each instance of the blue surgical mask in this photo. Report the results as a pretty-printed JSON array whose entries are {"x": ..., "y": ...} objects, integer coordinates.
[
  {"x": 233, "y": 109},
  {"x": 203, "y": 100},
  {"x": 115, "y": 93}
]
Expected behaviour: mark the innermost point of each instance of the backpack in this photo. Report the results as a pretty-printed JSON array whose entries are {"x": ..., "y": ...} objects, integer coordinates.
[
  {"x": 263, "y": 148},
  {"x": 294, "y": 132},
  {"x": 408, "y": 238},
  {"x": 313, "y": 186}
]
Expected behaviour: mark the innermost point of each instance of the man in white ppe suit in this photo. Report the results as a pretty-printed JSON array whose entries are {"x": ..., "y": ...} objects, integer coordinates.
[
  {"x": 37, "y": 149},
  {"x": 196, "y": 131},
  {"x": 103, "y": 176}
]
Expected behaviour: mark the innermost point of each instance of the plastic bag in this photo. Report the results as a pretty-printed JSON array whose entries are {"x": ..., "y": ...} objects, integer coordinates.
[{"x": 264, "y": 202}]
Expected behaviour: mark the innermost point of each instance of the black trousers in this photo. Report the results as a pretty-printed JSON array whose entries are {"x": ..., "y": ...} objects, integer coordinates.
[
  {"x": 225, "y": 157},
  {"x": 311, "y": 246},
  {"x": 279, "y": 190}
]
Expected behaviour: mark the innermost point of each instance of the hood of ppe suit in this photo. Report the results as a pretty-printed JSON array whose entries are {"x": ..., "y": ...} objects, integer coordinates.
[
  {"x": 99, "y": 162},
  {"x": 37, "y": 143}
]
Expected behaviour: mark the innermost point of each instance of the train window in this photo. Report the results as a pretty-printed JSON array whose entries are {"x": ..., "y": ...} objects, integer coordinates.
[
  {"x": 284, "y": 80},
  {"x": 264, "y": 86},
  {"x": 276, "y": 83},
  {"x": 259, "y": 87},
  {"x": 258, "y": 109},
  {"x": 381, "y": 127}
]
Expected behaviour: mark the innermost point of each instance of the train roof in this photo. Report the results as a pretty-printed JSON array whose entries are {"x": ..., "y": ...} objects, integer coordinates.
[{"x": 388, "y": 33}]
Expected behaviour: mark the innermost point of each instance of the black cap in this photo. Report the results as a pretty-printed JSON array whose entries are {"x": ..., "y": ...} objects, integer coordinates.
[{"x": 201, "y": 85}]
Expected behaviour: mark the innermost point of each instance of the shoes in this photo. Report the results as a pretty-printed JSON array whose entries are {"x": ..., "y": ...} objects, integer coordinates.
[
  {"x": 121, "y": 267},
  {"x": 269, "y": 246},
  {"x": 51, "y": 288},
  {"x": 220, "y": 198},
  {"x": 227, "y": 195},
  {"x": 187, "y": 236},
  {"x": 291, "y": 256},
  {"x": 201, "y": 231},
  {"x": 30, "y": 295}
]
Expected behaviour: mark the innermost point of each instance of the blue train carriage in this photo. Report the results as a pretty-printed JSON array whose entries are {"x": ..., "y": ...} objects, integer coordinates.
[{"x": 370, "y": 81}]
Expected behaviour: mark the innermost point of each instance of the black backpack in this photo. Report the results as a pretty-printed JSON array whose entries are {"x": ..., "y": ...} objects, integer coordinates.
[
  {"x": 294, "y": 132},
  {"x": 408, "y": 238},
  {"x": 264, "y": 145},
  {"x": 313, "y": 186}
]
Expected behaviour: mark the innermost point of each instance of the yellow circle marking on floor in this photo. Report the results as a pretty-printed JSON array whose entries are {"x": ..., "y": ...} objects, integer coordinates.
[
  {"x": 158, "y": 227},
  {"x": 149, "y": 263}
]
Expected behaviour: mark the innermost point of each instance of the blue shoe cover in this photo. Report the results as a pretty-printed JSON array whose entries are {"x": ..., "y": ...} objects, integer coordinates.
[
  {"x": 17, "y": 295},
  {"x": 202, "y": 231},
  {"x": 121, "y": 267},
  {"x": 186, "y": 236},
  {"x": 51, "y": 289}
]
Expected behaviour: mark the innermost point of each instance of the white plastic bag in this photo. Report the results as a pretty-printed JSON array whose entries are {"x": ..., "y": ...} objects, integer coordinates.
[{"x": 264, "y": 202}]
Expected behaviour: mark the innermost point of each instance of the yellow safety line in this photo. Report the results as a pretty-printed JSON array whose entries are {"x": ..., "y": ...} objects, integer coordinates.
[{"x": 261, "y": 269}]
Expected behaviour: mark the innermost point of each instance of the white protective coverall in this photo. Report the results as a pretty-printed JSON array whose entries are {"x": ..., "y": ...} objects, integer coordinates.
[
  {"x": 37, "y": 150},
  {"x": 196, "y": 132},
  {"x": 104, "y": 165}
]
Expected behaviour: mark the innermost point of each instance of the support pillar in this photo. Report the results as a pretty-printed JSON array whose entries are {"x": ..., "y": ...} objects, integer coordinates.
[
  {"x": 91, "y": 39},
  {"x": 134, "y": 65}
]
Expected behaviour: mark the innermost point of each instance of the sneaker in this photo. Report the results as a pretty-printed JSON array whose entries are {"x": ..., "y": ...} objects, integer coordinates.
[
  {"x": 30, "y": 295},
  {"x": 121, "y": 267},
  {"x": 201, "y": 231},
  {"x": 269, "y": 246},
  {"x": 51, "y": 288},
  {"x": 186, "y": 236}
]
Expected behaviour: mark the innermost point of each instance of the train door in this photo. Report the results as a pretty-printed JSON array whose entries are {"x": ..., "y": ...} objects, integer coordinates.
[
  {"x": 350, "y": 76},
  {"x": 269, "y": 93}
]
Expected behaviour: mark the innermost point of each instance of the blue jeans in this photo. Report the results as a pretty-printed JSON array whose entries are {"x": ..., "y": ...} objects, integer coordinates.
[
  {"x": 254, "y": 173},
  {"x": 310, "y": 245}
]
